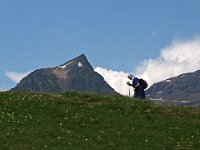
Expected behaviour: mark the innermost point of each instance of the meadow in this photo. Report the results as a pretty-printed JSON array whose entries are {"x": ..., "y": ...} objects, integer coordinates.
[{"x": 88, "y": 121}]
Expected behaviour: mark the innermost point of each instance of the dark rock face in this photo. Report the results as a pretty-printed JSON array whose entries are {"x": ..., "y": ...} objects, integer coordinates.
[
  {"x": 75, "y": 75},
  {"x": 184, "y": 88}
]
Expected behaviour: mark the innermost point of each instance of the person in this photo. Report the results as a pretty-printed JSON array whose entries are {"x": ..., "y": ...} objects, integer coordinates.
[{"x": 138, "y": 88}]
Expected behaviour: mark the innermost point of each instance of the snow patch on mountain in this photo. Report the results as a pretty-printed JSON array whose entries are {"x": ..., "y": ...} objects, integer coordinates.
[
  {"x": 65, "y": 65},
  {"x": 80, "y": 64}
]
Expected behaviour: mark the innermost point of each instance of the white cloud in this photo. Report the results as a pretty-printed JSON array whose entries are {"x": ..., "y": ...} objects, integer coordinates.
[
  {"x": 180, "y": 57},
  {"x": 16, "y": 76},
  {"x": 117, "y": 80},
  {"x": 3, "y": 90}
]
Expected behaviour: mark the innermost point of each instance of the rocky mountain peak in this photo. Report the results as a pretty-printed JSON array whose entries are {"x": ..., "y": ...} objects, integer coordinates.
[
  {"x": 75, "y": 75},
  {"x": 79, "y": 61}
]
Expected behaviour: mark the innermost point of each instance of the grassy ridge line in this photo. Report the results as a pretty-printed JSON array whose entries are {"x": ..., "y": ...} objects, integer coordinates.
[{"x": 87, "y": 121}]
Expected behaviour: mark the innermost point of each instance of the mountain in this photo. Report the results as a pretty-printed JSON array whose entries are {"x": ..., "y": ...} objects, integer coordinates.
[
  {"x": 183, "y": 89},
  {"x": 74, "y": 75}
]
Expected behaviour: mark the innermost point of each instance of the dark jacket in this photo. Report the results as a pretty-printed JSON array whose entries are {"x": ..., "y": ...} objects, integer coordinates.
[{"x": 138, "y": 89}]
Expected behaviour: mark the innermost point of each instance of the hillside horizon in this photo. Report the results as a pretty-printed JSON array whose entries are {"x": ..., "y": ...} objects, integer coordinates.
[{"x": 88, "y": 121}]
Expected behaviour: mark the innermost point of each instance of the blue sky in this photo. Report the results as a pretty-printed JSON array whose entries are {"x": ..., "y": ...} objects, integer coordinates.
[{"x": 113, "y": 34}]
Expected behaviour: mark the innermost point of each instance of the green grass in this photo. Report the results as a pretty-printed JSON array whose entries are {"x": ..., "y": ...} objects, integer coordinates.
[{"x": 88, "y": 121}]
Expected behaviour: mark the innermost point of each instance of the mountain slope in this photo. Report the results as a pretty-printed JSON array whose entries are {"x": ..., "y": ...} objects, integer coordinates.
[
  {"x": 184, "y": 88},
  {"x": 75, "y": 75}
]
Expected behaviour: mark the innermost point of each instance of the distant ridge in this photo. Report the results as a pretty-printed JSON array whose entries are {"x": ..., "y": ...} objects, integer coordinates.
[
  {"x": 76, "y": 75},
  {"x": 183, "y": 89}
]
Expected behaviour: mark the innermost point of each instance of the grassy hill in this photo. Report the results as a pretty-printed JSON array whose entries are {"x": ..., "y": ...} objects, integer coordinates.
[{"x": 87, "y": 121}]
